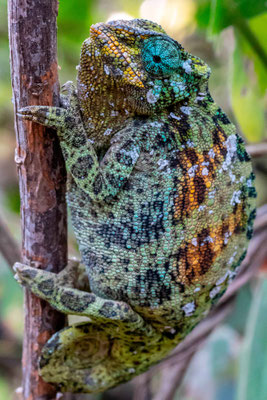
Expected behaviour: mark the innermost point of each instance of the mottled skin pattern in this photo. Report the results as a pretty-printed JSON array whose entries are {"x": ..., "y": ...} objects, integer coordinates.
[{"x": 162, "y": 203}]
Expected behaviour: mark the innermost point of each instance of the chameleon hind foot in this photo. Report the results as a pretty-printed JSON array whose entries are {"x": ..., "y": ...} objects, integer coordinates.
[
  {"x": 91, "y": 358},
  {"x": 73, "y": 275}
]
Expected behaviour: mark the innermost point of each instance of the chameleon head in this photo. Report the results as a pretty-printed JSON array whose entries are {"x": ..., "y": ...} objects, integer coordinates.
[{"x": 138, "y": 62}]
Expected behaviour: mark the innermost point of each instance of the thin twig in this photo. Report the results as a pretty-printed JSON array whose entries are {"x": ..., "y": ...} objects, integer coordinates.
[
  {"x": 257, "y": 149},
  {"x": 8, "y": 247},
  {"x": 169, "y": 379},
  {"x": 142, "y": 387}
]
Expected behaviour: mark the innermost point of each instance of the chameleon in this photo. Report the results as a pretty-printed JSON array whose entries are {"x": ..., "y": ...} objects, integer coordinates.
[{"x": 162, "y": 201}]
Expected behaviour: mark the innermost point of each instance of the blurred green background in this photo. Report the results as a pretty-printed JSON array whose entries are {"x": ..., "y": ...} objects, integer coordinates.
[{"x": 230, "y": 35}]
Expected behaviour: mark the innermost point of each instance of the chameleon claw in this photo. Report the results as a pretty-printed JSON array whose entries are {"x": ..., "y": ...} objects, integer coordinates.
[
  {"x": 44, "y": 115},
  {"x": 33, "y": 113},
  {"x": 16, "y": 269},
  {"x": 24, "y": 274},
  {"x": 69, "y": 88},
  {"x": 27, "y": 110},
  {"x": 23, "y": 113},
  {"x": 16, "y": 266},
  {"x": 17, "y": 278}
]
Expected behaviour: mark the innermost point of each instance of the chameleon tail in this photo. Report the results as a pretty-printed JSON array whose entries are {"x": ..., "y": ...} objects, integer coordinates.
[{"x": 87, "y": 357}]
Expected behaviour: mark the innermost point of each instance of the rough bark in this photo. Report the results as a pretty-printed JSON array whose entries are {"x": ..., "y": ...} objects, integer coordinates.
[{"x": 32, "y": 34}]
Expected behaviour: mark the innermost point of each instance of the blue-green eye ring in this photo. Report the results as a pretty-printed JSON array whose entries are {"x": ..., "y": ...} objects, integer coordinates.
[{"x": 161, "y": 57}]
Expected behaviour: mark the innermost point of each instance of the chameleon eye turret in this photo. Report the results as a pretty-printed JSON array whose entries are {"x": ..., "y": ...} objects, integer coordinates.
[
  {"x": 162, "y": 200},
  {"x": 161, "y": 56}
]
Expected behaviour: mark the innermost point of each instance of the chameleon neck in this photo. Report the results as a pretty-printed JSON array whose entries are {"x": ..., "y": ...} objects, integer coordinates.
[{"x": 103, "y": 114}]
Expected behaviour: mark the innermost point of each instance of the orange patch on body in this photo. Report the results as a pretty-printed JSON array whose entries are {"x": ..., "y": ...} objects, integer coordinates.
[
  {"x": 195, "y": 258},
  {"x": 199, "y": 172}
]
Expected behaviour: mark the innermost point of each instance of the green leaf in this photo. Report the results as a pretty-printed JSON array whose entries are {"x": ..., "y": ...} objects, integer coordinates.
[
  {"x": 218, "y": 14},
  {"x": 75, "y": 18},
  {"x": 12, "y": 199},
  {"x": 247, "y": 98},
  {"x": 252, "y": 383},
  {"x": 4, "y": 389},
  {"x": 130, "y": 7},
  {"x": 238, "y": 317},
  {"x": 257, "y": 27}
]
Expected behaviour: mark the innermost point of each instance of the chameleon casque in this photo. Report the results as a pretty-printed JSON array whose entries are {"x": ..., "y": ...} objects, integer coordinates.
[{"x": 162, "y": 202}]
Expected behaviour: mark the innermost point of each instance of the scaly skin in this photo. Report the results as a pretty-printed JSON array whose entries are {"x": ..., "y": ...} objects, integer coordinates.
[{"x": 162, "y": 203}]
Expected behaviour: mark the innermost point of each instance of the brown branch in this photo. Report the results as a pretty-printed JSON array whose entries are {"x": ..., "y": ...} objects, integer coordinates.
[
  {"x": 170, "y": 378},
  {"x": 142, "y": 387},
  {"x": 257, "y": 149},
  {"x": 8, "y": 246},
  {"x": 32, "y": 35},
  {"x": 175, "y": 365}
]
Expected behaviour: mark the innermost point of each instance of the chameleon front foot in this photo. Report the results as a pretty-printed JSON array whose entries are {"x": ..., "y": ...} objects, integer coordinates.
[{"x": 53, "y": 117}]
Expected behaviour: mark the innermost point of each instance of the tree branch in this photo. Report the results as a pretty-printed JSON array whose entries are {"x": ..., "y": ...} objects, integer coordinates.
[
  {"x": 32, "y": 35},
  {"x": 257, "y": 149}
]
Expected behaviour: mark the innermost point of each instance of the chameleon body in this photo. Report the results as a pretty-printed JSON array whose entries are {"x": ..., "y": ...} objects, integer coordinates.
[{"x": 162, "y": 203}]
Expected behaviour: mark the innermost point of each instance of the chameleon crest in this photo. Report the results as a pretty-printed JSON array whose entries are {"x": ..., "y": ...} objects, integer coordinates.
[{"x": 162, "y": 203}]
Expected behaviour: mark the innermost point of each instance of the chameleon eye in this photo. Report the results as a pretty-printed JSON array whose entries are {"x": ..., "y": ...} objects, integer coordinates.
[{"x": 160, "y": 56}]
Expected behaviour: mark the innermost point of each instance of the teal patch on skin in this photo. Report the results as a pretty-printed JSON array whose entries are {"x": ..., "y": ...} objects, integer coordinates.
[{"x": 161, "y": 56}]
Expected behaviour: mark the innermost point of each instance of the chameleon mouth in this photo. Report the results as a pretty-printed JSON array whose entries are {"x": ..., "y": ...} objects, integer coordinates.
[{"x": 111, "y": 46}]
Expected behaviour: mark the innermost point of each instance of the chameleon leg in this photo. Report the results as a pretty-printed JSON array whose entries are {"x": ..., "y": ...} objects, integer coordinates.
[
  {"x": 91, "y": 357},
  {"x": 66, "y": 119},
  {"x": 100, "y": 180},
  {"x": 74, "y": 275},
  {"x": 70, "y": 300}
]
